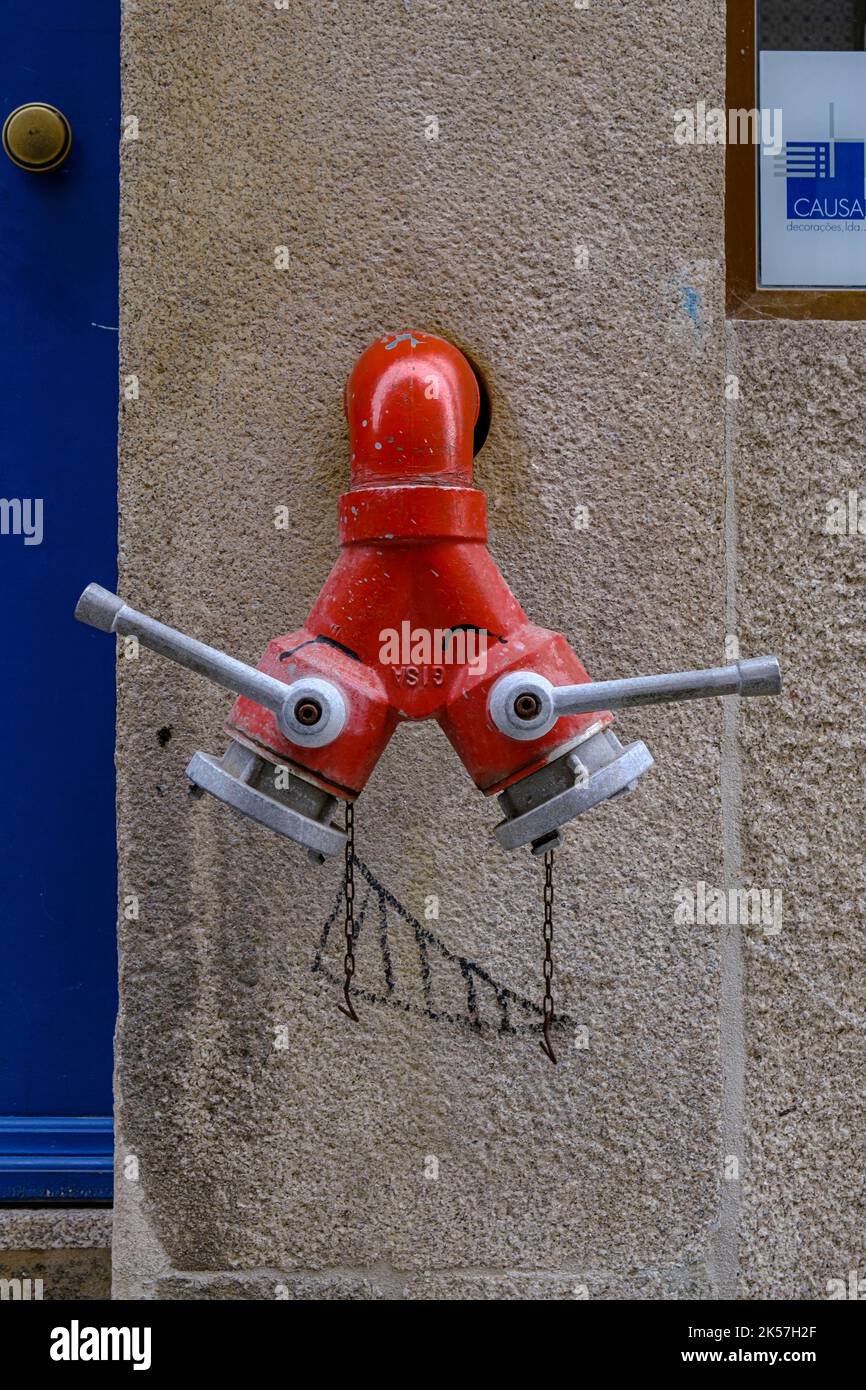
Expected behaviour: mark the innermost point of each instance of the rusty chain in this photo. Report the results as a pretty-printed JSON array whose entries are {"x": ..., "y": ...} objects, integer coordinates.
[
  {"x": 548, "y": 955},
  {"x": 349, "y": 958}
]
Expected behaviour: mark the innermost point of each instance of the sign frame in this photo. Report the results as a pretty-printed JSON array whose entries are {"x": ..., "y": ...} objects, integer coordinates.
[{"x": 745, "y": 298}]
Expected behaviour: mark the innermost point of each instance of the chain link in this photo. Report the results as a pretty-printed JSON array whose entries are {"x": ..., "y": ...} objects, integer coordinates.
[
  {"x": 548, "y": 955},
  {"x": 349, "y": 958}
]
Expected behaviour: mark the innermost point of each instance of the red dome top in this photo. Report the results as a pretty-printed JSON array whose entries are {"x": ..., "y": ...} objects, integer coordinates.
[{"x": 412, "y": 401}]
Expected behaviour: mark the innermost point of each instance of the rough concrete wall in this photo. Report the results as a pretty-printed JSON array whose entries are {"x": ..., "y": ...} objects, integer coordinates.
[
  {"x": 249, "y": 1169},
  {"x": 796, "y": 449},
  {"x": 67, "y": 1249},
  {"x": 56, "y": 1276}
]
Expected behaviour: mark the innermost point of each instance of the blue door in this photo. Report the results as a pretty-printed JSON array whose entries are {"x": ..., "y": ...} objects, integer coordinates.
[{"x": 58, "y": 521}]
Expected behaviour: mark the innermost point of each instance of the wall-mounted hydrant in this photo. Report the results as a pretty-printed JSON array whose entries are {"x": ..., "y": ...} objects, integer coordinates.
[{"x": 416, "y": 622}]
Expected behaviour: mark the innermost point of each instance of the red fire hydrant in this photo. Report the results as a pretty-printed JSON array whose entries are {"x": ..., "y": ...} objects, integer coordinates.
[{"x": 416, "y": 622}]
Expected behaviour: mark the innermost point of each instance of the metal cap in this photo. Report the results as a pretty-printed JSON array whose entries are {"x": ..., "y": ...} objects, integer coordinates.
[
  {"x": 760, "y": 675},
  {"x": 98, "y": 607}
]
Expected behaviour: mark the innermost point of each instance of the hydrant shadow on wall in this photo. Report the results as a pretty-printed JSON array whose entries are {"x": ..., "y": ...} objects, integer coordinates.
[{"x": 415, "y": 621}]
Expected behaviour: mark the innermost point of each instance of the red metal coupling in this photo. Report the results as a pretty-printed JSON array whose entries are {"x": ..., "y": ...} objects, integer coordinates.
[{"x": 415, "y": 621}]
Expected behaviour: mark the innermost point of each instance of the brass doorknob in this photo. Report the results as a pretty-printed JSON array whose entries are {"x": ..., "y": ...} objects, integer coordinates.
[{"x": 37, "y": 137}]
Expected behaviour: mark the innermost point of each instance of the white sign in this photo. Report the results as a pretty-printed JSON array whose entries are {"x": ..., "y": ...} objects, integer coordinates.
[{"x": 812, "y": 195}]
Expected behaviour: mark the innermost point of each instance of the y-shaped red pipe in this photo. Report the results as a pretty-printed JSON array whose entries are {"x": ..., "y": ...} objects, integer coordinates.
[{"x": 415, "y": 620}]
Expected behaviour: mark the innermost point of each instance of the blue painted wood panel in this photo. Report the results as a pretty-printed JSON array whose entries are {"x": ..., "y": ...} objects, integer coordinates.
[{"x": 58, "y": 447}]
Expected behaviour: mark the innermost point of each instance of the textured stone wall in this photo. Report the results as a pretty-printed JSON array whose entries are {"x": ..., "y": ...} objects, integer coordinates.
[
  {"x": 503, "y": 174},
  {"x": 64, "y": 1252},
  {"x": 797, "y": 448}
]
